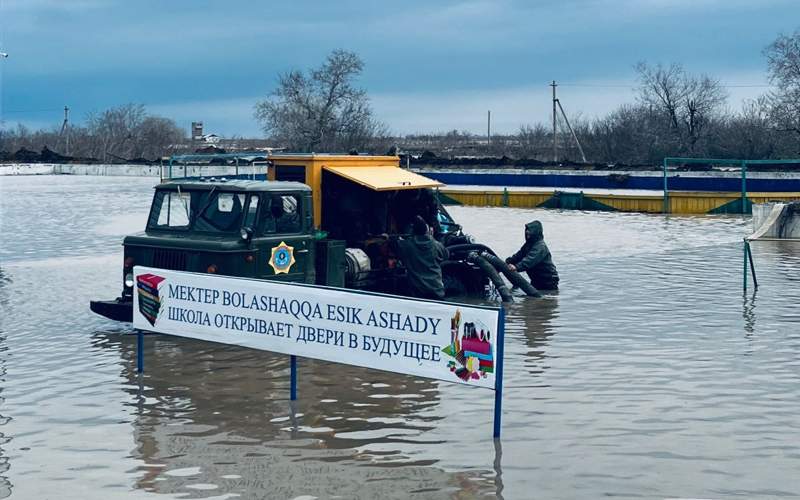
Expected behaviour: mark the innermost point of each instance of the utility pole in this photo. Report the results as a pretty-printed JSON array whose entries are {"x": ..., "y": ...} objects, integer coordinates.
[
  {"x": 489, "y": 129},
  {"x": 571, "y": 131},
  {"x": 555, "y": 134},
  {"x": 3, "y": 55},
  {"x": 65, "y": 130}
]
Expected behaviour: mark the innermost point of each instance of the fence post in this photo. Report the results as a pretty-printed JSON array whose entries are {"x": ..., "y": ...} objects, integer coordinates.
[
  {"x": 744, "y": 265},
  {"x": 666, "y": 195},
  {"x": 744, "y": 187},
  {"x": 752, "y": 265}
]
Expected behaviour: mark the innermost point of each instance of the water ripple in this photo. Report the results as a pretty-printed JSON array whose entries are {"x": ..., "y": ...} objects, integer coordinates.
[{"x": 649, "y": 375}]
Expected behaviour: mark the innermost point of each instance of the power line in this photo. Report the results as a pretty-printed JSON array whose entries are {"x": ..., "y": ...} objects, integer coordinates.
[
  {"x": 634, "y": 85},
  {"x": 48, "y": 110}
]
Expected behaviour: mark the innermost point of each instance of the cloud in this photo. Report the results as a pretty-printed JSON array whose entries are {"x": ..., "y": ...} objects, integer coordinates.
[{"x": 429, "y": 65}]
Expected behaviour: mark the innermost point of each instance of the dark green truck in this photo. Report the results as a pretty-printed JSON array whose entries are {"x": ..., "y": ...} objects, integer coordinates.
[{"x": 266, "y": 230}]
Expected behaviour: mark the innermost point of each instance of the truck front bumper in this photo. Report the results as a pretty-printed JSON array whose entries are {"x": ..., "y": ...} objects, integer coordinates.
[{"x": 120, "y": 309}]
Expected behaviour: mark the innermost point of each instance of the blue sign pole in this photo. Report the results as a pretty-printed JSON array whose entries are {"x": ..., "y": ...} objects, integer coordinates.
[
  {"x": 139, "y": 351},
  {"x": 498, "y": 375},
  {"x": 293, "y": 383}
]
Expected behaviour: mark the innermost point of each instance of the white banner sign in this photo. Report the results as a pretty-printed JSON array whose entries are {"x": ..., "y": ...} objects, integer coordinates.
[{"x": 450, "y": 342}]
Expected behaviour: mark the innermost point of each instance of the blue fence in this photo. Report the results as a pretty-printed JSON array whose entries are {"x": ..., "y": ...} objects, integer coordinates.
[{"x": 614, "y": 181}]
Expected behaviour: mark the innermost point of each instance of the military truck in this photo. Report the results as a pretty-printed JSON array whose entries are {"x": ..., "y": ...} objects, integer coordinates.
[{"x": 316, "y": 219}]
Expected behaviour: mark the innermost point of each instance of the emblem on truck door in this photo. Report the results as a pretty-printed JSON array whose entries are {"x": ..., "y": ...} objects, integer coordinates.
[{"x": 282, "y": 258}]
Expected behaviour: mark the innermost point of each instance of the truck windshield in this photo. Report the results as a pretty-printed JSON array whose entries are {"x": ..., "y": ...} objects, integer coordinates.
[
  {"x": 219, "y": 212},
  {"x": 208, "y": 211}
]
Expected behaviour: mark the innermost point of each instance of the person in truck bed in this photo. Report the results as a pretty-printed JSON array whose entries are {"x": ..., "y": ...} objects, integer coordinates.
[{"x": 422, "y": 256}]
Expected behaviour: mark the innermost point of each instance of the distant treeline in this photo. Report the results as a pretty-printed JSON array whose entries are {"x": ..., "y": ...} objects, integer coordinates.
[
  {"x": 674, "y": 113},
  {"x": 124, "y": 134},
  {"x": 634, "y": 134}
]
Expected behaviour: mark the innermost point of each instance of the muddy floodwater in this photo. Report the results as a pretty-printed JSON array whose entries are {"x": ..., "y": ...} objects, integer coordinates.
[{"x": 650, "y": 375}]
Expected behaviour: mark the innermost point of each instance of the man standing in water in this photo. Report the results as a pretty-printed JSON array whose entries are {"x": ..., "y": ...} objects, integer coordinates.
[
  {"x": 534, "y": 258},
  {"x": 423, "y": 256}
]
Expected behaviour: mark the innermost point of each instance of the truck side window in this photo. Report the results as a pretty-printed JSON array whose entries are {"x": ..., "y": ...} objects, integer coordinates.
[
  {"x": 252, "y": 209},
  {"x": 283, "y": 215}
]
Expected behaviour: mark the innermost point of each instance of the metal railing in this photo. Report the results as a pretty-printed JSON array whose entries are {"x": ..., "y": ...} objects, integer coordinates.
[
  {"x": 742, "y": 164},
  {"x": 248, "y": 157}
]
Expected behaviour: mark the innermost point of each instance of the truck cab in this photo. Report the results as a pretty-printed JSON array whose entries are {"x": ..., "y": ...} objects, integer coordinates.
[{"x": 227, "y": 227}]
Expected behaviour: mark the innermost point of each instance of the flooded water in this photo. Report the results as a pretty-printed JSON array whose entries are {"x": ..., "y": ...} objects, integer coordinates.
[{"x": 650, "y": 375}]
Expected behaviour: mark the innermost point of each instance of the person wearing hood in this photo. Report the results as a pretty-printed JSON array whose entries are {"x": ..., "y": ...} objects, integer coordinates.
[
  {"x": 534, "y": 258},
  {"x": 422, "y": 256}
]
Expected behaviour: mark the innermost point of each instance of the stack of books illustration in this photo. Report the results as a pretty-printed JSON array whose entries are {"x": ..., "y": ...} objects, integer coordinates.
[
  {"x": 471, "y": 350},
  {"x": 149, "y": 300}
]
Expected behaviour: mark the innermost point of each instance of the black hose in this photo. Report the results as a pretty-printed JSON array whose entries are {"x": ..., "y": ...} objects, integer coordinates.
[
  {"x": 470, "y": 247},
  {"x": 491, "y": 272},
  {"x": 514, "y": 277}
]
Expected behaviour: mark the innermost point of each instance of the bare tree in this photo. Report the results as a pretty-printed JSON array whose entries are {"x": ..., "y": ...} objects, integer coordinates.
[
  {"x": 127, "y": 132},
  {"x": 321, "y": 109},
  {"x": 114, "y": 130},
  {"x": 747, "y": 134},
  {"x": 157, "y": 136},
  {"x": 687, "y": 102},
  {"x": 783, "y": 64},
  {"x": 533, "y": 140}
]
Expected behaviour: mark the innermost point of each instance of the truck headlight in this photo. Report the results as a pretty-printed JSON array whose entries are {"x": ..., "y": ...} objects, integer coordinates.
[{"x": 129, "y": 280}]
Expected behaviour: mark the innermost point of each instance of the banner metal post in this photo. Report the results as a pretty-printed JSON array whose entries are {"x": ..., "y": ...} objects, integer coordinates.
[
  {"x": 139, "y": 351},
  {"x": 498, "y": 387},
  {"x": 293, "y": 383}
]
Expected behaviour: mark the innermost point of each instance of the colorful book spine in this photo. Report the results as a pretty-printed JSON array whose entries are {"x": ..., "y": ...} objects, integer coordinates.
[
  {"x": 475, "y": 345},
  {"x": 473, "y": 354}
]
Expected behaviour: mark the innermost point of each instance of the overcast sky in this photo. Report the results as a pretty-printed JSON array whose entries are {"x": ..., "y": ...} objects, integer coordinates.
[{"x": 430, "y": 65}]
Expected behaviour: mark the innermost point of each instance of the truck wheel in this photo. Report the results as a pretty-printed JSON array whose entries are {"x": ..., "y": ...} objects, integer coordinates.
[{"x": 453, "y": 285}]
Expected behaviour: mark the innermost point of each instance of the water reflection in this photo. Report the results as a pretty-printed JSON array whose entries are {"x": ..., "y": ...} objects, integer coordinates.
[
  {"x": 649, "y": 375},
  {"x": 5, "y": 483},
  {"x": 498, "y": 468},
  {"x": 215, "y": 419},
  {"x": 749, "y": 313},
  {"x": 5, "y": 283},
  {"x": 534, "y": 320}
]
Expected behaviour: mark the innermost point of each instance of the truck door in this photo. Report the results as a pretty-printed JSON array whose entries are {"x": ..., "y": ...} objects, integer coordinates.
[{"x": 286, "y": 250}]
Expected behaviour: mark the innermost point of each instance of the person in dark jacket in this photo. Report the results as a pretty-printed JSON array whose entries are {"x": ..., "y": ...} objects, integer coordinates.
[
  {"x": 422, "y": 256},
  {"x": 534, "y": 258}
]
